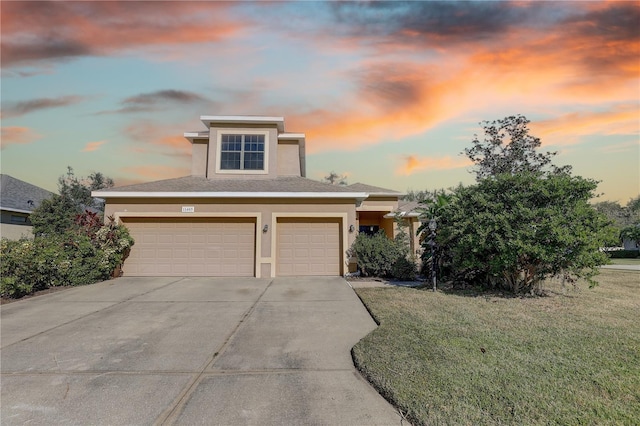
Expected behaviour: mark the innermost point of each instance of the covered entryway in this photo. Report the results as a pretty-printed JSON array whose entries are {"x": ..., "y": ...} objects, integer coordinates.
[
  {"x": 191, "y": 247},
  {"x": 308, "y": 246}
]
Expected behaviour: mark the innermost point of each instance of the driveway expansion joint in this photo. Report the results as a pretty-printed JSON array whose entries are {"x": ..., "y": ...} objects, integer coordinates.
[{"x": 170, "y": 415}]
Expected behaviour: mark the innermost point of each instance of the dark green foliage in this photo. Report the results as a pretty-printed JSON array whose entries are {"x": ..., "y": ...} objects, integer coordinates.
[
  {"x": 623, "y": 254},
  {"x": 53, "y": 216},
  {"x": 404, "y": 268},
  {"x": 58, "y": 214},
  {"x": 79, "y": 256},
  {"x": 512, "y": 231},
  {"x": 509, "y": 148},
  {"x": 631, "y": 233},
  {"x": 376, "y": 254}
]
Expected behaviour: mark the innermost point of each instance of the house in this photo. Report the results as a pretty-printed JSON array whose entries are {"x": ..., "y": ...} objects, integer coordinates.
[
  {"x": 247, "y": 209},
  {"x": 18, "y": 199}
]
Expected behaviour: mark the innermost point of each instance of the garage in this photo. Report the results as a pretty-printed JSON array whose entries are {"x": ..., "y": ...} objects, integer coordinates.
[
  {"x": 191, "y": 247},
  {"x": 308, "y": 246}
]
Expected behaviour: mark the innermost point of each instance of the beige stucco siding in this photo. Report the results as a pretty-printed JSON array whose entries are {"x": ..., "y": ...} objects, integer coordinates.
[
  {"x": 264, "y": 212},
  {"x": 271, "y": 146},
  {"x": 288, "y": 158},
  {"x": 199, "y": 154},
  {"x": 15, "y": 232}
]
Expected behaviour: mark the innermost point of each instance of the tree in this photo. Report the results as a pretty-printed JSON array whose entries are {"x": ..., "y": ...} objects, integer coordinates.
[
  {"x": 58, "y": 214},
  {"x": 79, "y": 189},
  {"x": 335, "y": 179},
  {"x": 509, "y": 148},
  {"x": 512, "y": 231}
]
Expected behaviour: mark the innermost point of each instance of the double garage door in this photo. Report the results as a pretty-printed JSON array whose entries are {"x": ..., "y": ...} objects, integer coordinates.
[
  {"x": 191, "y": 247},
  {"x": 226, "y": 247}
]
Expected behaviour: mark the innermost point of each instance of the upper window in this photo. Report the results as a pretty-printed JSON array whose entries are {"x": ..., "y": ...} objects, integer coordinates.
[{"x": 242, "y": 152}]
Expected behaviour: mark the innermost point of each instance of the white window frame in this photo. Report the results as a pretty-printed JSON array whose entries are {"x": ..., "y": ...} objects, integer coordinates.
[{"x": 221, "y": 132}]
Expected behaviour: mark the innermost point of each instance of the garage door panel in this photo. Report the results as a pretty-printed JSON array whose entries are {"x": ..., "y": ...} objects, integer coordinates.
[
  {"x": 307, "y": 246},
  {"x": 191, "y": 247}
]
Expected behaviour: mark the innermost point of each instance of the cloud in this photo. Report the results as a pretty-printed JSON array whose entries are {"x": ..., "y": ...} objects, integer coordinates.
[
  {"x": 14, "y": 135},
  {"x": 433, "y": 22},
  {"x": 154, "y": 101},
  {"x": 412, "y": 164},
  {"x": 18, "y": 109},
  {"x": 622, "y": 147},
  {"x": 93, "y": 146},
  {"x": 154, "y": 137},
  {"x": 33, "y": 32},
  {"x": 570, "y": 128},
  {"x": 157, "y": 172}
]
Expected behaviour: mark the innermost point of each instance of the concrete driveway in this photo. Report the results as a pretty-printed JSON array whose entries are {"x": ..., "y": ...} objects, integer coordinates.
[{"x": 188, "y": 351}]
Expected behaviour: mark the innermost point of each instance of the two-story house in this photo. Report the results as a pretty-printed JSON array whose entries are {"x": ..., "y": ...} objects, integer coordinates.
[{"x": 247, "y": 209}]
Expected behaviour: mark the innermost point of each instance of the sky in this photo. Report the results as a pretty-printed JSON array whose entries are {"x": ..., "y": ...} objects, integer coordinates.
[{"x": 387, "y": 93}]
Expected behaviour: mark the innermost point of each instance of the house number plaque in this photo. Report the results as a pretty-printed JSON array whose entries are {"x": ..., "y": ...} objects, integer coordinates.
[{"x": 188, "y": 209}]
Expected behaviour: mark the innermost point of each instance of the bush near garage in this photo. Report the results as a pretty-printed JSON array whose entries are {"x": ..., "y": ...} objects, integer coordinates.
[
  {"x": 379, "y": 256},
  {"x": 89, "y": 252}
]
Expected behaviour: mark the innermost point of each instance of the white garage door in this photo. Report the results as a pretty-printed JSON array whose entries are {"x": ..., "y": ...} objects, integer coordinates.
[
  {"x": 308, "y": 247},
  {"x": 191, "y": 247}
]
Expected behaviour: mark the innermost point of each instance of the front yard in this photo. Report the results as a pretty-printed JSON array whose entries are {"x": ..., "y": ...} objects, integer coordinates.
[{"x": 462, "y": 358}]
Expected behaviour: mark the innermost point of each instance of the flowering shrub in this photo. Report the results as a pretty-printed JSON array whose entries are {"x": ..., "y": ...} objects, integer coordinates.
[{"x": 76, "y": 257}]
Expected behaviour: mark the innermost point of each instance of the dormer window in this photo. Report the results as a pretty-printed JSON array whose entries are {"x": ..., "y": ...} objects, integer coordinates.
[{"x": 244, "y": 152}]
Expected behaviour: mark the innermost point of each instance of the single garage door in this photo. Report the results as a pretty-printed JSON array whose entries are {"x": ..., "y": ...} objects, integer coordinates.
[
  {"x": 191, "y": 247},
  {"x": 308, "y": 247}
]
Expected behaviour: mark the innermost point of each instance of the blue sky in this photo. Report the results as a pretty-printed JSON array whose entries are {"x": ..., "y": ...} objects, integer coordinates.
[{"x": 389, "y": 94}]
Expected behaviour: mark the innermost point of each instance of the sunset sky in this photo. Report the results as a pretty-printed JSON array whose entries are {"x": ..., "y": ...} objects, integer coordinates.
[{"x": 389, "y": 94}]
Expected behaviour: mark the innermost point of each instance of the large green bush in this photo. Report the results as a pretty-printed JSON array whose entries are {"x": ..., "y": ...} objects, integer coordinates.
[
  {"x": 380, "y": 256},
  {"x": 514, "y": 231},
  {"x": 76, "y": 257}
]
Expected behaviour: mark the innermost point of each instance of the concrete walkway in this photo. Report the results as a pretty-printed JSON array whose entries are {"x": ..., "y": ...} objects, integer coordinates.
[
  {"x": 622, "y": 267},
  {"x": 188, "y": 351}
]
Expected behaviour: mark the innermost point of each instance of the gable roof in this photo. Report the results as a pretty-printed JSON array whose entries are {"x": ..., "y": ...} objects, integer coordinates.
[
  {"x": 19, "y": 196},
  {"x": 201, "y": 187},
  {"x": 373, "y": 190}
]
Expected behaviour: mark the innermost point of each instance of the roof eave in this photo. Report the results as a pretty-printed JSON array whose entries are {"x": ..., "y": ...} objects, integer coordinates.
[
  {"x": 202, "y": 194},
  {"x": 207, "y": 120},
  {"x": 11, "y": 209}
]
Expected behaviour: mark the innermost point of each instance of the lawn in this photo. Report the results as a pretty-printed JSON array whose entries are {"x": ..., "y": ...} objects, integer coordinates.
[
  {"x": 572, "y": 357},
  {"x": 625, "y": 261}
]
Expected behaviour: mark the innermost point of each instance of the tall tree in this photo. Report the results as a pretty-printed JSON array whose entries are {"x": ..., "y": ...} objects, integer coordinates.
[
  {"x": 58, "y": 214},
  {"x": 507, "y": 147}
]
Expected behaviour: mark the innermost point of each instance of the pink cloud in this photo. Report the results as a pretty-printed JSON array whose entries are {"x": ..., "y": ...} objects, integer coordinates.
[
  {"x": 15, "y": 135},
  {"x": 412, "y": 164},
  {"x": 569, "y": 128},
  {"x": 157, "y": 172},
  {"x": 93, "y": 146},
  {"x": 161, "y": 138},
  {"x": 38, "y": 31}
]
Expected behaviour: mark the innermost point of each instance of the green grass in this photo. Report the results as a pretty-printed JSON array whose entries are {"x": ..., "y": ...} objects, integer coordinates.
[
  {"x": 572, "y": 357},
  {"x": 625, "y": 261}
]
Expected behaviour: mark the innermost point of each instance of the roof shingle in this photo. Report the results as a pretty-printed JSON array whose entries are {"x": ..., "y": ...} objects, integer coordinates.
[{"x": 15, "y": 194}]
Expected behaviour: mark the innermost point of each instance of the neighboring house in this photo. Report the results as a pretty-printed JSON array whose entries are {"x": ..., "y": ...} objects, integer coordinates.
[
  {"x": 17, "y": 200},
  {"x": 247, "y": 209}
]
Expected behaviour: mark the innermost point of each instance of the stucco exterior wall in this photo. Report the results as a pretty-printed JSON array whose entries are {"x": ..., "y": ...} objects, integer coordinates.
[
  {"x": 199, "y": 154},
  {"x": 265, "y": 211},
  {"x": 288, "y": 158},
  {"x": 271, "y": 152},
  {"x": 15, "y": 232}
]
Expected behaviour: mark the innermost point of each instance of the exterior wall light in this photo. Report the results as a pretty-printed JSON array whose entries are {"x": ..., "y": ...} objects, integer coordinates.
[
  {"x": 352, "y": 228},
  {"x": 265, "y": 228}
]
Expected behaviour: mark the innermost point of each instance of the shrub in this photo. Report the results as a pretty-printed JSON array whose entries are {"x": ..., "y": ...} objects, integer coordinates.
[
  {"x": 81, "y": 256},
  {"x": 376, "y": 254},
  {"x": 404, "y": 268},
  {"x": 623, "y": 254}
]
